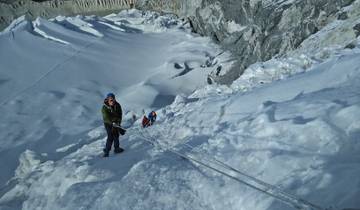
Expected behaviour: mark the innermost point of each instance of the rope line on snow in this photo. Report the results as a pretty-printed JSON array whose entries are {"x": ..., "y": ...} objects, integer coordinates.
[
  {"x": 270, "y": 186},
  {"x": 52, "y": 69},
  {"x": 221, "y": 167}
]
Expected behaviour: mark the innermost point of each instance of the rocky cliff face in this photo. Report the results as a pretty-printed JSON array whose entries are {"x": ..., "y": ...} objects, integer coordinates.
[
  {"x": 256, "y": 30},
  {"x": 9, "y": 10},
  {"x": 253, "y": 30}
]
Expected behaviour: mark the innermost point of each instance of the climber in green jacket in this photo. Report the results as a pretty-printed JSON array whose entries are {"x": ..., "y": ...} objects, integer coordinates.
[{"x": 112, "y": 116}]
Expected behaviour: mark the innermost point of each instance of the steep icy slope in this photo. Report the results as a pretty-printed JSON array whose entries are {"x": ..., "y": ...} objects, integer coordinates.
[
  {"x": 292, "y": 122},
  {"x": 54, "y": 75},
  {"x": 300, "y": 134}
]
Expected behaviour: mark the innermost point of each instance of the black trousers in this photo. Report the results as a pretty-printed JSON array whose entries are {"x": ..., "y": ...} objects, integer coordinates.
[{"x": 112, "y": 138}]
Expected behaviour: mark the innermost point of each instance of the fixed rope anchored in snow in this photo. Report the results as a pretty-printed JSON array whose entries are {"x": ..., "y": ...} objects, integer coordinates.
[
  {"x": 252, "y": 182},
  {"x": 260, "y": 182}
]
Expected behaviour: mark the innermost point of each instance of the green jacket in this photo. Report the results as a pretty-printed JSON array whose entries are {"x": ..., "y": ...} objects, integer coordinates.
[{"x": 111, "y": 114}]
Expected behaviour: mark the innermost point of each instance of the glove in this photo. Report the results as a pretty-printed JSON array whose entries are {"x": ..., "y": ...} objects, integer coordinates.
[
  {"x": 116, "y": 125},
  {"x": 122, "y": 131}
]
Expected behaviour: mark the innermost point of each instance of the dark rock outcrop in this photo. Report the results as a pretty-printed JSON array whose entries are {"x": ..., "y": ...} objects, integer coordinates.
[
  {"x": 254, "y": 30},
  {"x": 357, "y": 29}
]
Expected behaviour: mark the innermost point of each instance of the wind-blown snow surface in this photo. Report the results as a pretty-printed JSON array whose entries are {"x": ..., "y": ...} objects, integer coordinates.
[
  {"x": 55, "y": 74},
  {"x": 301, "y": 134}
]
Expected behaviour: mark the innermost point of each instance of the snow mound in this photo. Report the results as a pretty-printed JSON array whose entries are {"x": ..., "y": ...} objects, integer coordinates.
[
  {"x": 38, "y": 23},
  {"x": 145, "y": 21},
  {"x": 28, "y": 162},
  {"x": 18, "y": 22},
  {"x": 78, "y": 24}
]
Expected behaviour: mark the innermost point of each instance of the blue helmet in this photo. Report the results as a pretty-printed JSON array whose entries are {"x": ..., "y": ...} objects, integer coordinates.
[
  {"x": 112, "y": 95},
  {"x": 152, "y": 116}
]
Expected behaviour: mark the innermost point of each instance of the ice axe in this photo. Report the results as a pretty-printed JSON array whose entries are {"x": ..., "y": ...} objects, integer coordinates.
[{"x": 122, "y": 131}]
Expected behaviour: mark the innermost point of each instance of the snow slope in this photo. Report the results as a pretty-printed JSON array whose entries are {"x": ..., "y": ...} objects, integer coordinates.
[
  {"x": 54, "y": 75},
  {"x": 298, "y": 129}
]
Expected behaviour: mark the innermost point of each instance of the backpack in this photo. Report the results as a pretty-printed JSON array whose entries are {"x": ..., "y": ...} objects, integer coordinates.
[{"x": 149, "y": 120}]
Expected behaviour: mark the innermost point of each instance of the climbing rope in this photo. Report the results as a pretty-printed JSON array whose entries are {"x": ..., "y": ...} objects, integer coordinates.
[{"x": 233, "y": 173}]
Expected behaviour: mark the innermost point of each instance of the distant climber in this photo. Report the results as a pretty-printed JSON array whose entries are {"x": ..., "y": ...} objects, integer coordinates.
[
  {"x": 112, "y": 116},
  {"x": 149, "y": 120}
]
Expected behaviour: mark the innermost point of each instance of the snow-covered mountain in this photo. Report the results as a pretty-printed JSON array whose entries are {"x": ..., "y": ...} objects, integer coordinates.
[
  {"x": 289, "y": 126},
  {"x": 258, "y": 30},
  {"x": 252, "y": 30}
]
